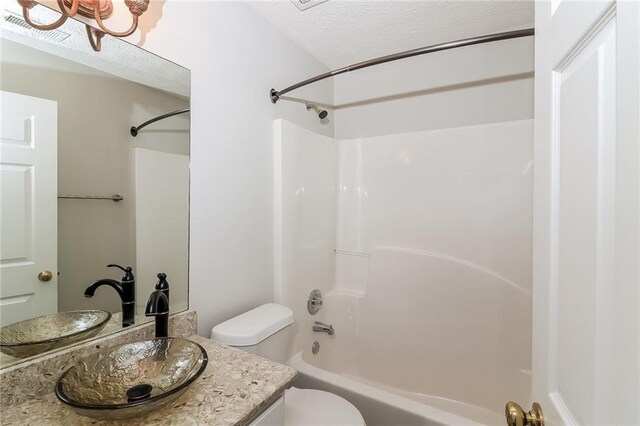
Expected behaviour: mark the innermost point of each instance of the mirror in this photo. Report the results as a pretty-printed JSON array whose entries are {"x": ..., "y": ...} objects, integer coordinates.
[{"x": 80, "y": 192}]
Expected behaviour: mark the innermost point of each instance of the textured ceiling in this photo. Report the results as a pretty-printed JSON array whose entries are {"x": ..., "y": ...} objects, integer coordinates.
[{"x": 342, "y": 32}]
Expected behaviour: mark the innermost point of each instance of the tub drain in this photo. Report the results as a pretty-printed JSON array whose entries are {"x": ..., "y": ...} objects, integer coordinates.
[{"x": 315, "y": 348}]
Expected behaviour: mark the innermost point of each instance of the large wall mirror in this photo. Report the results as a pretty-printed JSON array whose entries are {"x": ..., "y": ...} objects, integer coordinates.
[{"x": 79, "y": 192}]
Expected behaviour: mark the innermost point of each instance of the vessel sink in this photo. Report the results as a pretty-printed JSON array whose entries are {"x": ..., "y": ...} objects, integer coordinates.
[
  {"x": 131, "y": 380},
  {"x": 41, "y": 334}
]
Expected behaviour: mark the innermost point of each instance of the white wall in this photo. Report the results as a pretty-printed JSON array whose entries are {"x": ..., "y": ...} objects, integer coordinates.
[
  {"x": 235, "y": 57},
  {"x": 479, "y": 84}
]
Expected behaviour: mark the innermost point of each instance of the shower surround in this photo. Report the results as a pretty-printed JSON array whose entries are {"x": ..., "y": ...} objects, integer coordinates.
[{"x": 421, "y": 245}]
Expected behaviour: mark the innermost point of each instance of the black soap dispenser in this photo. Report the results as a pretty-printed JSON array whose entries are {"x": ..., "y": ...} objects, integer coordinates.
[{"x": 163, "y": 285}]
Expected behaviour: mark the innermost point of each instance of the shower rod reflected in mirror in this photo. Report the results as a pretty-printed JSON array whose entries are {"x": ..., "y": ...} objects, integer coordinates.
[{"x": 135, "y": 129}]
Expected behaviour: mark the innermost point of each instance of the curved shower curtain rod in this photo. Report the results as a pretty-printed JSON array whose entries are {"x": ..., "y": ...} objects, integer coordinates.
[
  {"x": 135, "y": 129},
  {"x": 275, "y": 94}
]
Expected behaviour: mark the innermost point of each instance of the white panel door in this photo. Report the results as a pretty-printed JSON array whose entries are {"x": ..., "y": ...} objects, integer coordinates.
[
  {"x": 29, "y": 209},
  {"x": 586, "y": 316}
]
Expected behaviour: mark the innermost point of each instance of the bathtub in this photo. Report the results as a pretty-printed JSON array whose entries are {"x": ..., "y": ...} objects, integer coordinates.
[
  {"x": 384, "y": 407},
  {"x": 424, "y": 353}
]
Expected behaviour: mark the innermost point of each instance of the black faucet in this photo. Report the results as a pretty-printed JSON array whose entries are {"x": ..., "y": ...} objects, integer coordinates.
[
  {"x": 158, "y": 306},
  {"x": 126, "y": 290}
]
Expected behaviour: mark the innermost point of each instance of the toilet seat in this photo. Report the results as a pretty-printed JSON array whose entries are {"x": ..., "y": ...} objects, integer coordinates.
[{"x": 311, "y": 407}]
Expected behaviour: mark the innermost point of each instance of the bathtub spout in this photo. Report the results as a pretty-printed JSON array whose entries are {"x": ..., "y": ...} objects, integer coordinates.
[{"x": 323, "y": 328}]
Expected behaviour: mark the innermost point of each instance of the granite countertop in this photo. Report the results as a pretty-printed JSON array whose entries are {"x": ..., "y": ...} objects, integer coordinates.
[{"x": 235, "y": 387}]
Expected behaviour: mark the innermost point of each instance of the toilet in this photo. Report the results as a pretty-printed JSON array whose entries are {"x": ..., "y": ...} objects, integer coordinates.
[{"x": 265, "y": 331}]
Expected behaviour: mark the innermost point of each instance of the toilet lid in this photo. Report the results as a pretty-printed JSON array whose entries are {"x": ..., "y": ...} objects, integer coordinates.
[{"x": 310, "y": 407}]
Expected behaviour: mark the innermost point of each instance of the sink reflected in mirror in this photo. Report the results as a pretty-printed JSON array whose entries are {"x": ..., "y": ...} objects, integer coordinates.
[
  {"x": 131, "y": 380},
  {"x": 41, "y": 334}
]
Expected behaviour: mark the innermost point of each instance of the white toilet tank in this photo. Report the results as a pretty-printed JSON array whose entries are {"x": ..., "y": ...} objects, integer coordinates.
[{"x": 263, "y": 331}]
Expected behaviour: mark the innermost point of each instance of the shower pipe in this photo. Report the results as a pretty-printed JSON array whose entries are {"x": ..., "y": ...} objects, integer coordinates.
[
  {"x": 135, "y": 129},
  {"x": 275, "y": 94}
]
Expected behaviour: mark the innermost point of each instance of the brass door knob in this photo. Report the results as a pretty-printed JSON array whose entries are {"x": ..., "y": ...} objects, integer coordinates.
[
  {"x": 45, "y": 276},
  {"x": 517, "y": 417}
]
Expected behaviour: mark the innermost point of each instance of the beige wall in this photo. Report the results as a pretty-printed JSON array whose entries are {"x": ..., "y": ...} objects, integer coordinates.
[{"x": 95, "y": 157}]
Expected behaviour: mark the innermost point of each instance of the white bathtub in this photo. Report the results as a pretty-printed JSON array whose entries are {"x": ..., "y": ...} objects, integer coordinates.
[
  {"x": 382, "y": 407},
  {"x": 424, "y": 353}
]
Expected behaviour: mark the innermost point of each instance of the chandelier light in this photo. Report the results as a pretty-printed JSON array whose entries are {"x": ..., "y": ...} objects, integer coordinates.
[{"x": 93, "y": 9}]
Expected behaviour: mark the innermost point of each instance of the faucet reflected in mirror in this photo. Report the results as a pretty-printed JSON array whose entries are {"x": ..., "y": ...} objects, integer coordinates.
[{"x": 126, "y": 290}]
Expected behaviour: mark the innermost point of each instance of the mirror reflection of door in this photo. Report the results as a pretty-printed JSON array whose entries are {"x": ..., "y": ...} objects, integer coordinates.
[{"x": 28, "y": 169}]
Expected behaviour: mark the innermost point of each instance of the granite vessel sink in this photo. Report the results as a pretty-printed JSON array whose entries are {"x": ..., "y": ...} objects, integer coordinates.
[
  {"x": 131, "y": 380},
  {"x": 41, "y": 334}
]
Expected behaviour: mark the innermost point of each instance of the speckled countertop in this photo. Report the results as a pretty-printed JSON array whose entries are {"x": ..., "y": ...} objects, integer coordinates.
[{"x": 235, "y": 387}]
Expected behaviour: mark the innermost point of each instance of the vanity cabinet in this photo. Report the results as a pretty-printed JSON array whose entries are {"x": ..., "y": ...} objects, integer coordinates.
[{"x": 272, "y": 416}]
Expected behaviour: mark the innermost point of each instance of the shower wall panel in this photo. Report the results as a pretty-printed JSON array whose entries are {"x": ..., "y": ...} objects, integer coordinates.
[
  {"x": 461, "y": 192},
  {"x": 421, "y": 244},
  {"x": 305, "y": 176}
]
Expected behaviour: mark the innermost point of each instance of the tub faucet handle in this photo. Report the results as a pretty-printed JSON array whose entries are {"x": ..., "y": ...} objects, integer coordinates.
[{"x": 314, "y": 302}]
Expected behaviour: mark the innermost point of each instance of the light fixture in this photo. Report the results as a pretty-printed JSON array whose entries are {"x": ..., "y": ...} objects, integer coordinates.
[{"x": 93, "y": 9}]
